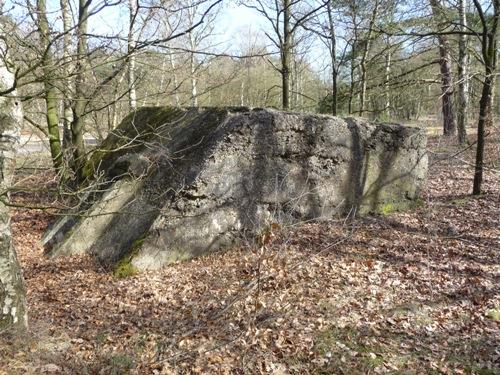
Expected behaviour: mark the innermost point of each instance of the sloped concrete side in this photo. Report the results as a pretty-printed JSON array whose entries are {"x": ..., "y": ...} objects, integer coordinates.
[
  {"x": 128, "y": 178},
  {"x": 85, "y": 227}
]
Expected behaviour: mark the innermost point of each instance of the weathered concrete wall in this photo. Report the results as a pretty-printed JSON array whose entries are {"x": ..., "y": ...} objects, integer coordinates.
[
  {"x": 200, "y": 180},
  {"x": 12, "y": 297}
]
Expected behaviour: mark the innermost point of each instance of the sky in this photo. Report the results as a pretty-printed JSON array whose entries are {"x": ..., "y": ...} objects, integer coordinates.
[
  {"x": 111, "y": 19},
  {"x": 233, "y": 23}
]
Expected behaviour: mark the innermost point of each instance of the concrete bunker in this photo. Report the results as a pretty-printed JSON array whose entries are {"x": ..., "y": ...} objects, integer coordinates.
[{"x": 174, "y": 183}]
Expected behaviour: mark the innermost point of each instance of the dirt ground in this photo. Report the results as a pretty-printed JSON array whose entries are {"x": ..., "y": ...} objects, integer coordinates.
[{"x": 404, "y": 293}]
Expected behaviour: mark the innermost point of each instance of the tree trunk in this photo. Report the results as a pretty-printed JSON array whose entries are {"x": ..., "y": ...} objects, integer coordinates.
[
  {"x": 351, "y": 85},
  {"x": 354, "y": 51},
  {"x": 295, "y": 82},
  {"x": 193, "y": 67},
  {"x": 286, "y": 50},
  {"x": 52, "y": 116},
  {"x": 162, "y": 81},
  {"x": 387, "y": 104},
  {"x": 484, "y": 119},
  {"x": 115, "y": 106},
  {"x": 333, "y": 57},
  {"x": 449, "y": 125},
  {"x": 364, "y": 56},
  {"x": 463, "y": 79},
  {"x": 176, "y": 81},
  {"x": 242, "y": 93},
  {"x": 50, "y": 89},
  {"x": 489, "y": 54},
  {"x": 80, "y": 101},
  {"x": 66, "y": 87},
  {"x": 131, "y": 56},
  {"x": 194, "y": 80},
  {"x": 12, "y": 292}
]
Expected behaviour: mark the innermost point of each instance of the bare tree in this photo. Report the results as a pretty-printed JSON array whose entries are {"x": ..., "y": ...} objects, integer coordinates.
[
  {"x": 324, "y": 26},
  {"x": 387, "y": 78},
  {"x": 352, "y": 13},
  {"x": 66, "y": 87},
  {"x": 463, "y": 79},
  {"x": 132, "y": 7},
  {"x": 333, "y": 55},
  {"x": 449, "y": 125},
  {"x": 364, "y": 56},
  {"x": 174, "y": 74},
  {"x": 197, "y": 40},
  {"x": 49, "y": 81},
  {"x": 488, "y": 37},
  {"x": 285, "y": 21},
  {"x": 80, "y": 100}
]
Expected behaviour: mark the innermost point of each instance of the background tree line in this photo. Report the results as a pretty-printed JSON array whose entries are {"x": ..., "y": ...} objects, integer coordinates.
[{"x": 383, "y": 59}]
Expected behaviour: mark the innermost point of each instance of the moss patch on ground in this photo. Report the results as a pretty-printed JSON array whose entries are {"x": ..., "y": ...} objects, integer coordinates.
[{"x": 342, "y": 345}]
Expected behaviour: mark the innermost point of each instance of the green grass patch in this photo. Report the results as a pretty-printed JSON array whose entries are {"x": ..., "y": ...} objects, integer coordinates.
[
  {"x": 460, "y": 201},
  {"x": 347, "y": 348},
  {"x": 494, "y": 313},
  {"x": 474, "y": 370},
  {"x": 121, "y": 363}
]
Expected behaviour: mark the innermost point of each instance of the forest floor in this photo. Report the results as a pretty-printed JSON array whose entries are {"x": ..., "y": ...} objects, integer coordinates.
[{"x": 414, "y": 292}]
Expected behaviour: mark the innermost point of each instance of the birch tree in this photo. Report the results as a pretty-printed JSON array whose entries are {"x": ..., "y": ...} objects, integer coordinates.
[
  {"x": 12, "y": 292},
  {"x": 285, "y": 21},
  {"x": 132, "y": 7},
  {"x": 463, "y": 79},
  {"x": 387, "y": 78}
]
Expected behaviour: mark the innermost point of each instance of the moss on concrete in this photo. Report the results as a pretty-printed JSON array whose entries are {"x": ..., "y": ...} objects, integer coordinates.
[
  {"x": 134, "y": 132},
  {"x": 146, "y": 260},
  {"x": 388, "y": 208},
  {"x": 124, "y": 268},
  {"x": 146, "y": 125}
]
